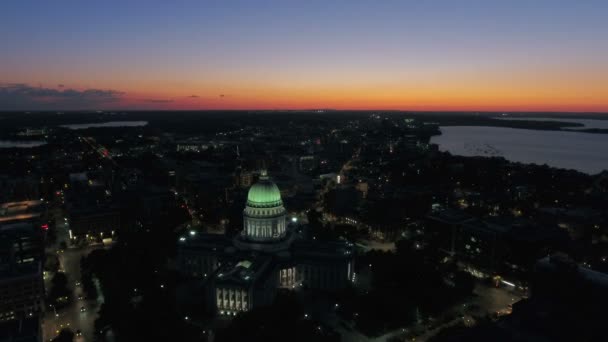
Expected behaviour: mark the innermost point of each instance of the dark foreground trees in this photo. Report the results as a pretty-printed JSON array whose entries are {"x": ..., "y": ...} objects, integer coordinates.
[
  {"x": 137, "y": 288},
  {"x": 59, "y": 293},
  {"x": 407, "y": 287},
  {"x": 65, "y": 335},
  {"x": 284, "y": 320}
]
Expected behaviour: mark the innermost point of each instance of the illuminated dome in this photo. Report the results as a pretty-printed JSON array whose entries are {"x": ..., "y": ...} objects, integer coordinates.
[
  {"x": 264, "y": 194},
  {"x": 264, "y": 214}
]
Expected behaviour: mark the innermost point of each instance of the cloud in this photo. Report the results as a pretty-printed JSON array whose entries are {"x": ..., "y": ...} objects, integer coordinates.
[
  {"x": 194, "y": 96},
  {"x": 157, "y": 100},
  {"x": 20, "y": 96}
]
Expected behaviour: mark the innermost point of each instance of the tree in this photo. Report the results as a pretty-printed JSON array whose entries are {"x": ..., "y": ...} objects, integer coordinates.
[
  {"x": 65, "y": 335},
  {"x": 51, "y": 263},
  {"x": 283, "y": 320},
  {"x": 59, "y": 289},
  {"x": 465, "y": 283}
]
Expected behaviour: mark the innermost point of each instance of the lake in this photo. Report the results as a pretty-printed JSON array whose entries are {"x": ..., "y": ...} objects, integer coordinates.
[
  {"x": 107, "y": 124},
  {"x": 584, "y": 152},
  {"x": 20, "y": 144}
]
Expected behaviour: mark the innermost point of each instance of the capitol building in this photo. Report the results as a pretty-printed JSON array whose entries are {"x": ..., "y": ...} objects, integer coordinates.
[{"x": 246, "y": 271}]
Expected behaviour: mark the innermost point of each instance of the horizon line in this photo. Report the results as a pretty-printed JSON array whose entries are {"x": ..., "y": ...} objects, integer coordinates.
[{"x": 319, "y": 110}]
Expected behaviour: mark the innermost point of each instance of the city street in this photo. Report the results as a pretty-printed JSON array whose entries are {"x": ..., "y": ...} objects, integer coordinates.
[
  {"x": 369, "y": 245},
  {"x": 492, "y": 299},
  {"x": 70, "y": 316},
  {"x": 487, "y": 300}
]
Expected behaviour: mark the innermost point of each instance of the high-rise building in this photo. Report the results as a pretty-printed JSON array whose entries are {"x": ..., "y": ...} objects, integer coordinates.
[{"x": 22, "y": 233}]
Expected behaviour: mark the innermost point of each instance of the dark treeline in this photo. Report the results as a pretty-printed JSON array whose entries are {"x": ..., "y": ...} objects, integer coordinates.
[{"x": 205, "y": 122}]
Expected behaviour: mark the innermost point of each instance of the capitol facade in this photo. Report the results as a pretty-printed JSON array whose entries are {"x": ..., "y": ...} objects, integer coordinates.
[{"x": 270, "y": 253}]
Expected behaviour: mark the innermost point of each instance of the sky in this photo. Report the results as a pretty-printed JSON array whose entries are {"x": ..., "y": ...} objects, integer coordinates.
[{"x": 516, "y": 55}]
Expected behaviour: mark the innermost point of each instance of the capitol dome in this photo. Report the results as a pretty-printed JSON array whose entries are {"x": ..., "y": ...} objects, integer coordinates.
[
  {"x": 264, "y": 214},
  {"x": 264, "y": 194}
]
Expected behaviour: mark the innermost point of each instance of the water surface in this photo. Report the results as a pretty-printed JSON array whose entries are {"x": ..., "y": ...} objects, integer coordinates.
[
  {"x": 107, "y": 124},
  {"x": 20, "y": 144},
  {"x": 584, "y": 152}
]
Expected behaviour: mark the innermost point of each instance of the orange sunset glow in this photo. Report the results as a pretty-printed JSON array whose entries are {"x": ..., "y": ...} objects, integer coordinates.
[{"x": 399, "y": 56}]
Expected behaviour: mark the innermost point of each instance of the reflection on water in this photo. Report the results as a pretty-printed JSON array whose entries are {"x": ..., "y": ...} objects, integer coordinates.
[
  {"x": 569, "y": 150},
  {"x": 107, "y": 124},
  {"x": 20, "y": 144}
]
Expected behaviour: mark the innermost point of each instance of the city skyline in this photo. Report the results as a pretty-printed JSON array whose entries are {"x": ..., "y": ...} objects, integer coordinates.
[
  {"x": 305, "y": 171},
  {"x": 423, "y": 56}
]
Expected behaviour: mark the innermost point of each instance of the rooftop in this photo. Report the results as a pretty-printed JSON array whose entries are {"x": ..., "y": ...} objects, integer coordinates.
[
  {"x": 243, "y": 272},
  {"x": 322, "y": 249},
  {"x": 450, "y": 216},
  {"x": 22, "y": 330},
  {"x": 18, "y": 211},
  {"x": 205, "y": 241}
]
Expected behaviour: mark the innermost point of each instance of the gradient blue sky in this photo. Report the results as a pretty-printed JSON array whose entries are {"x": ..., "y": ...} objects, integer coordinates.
[{"x": 435, "y": 55}]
